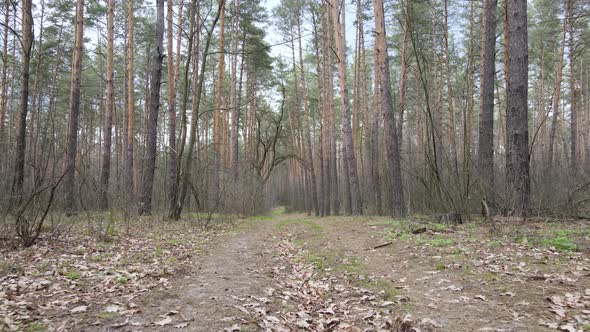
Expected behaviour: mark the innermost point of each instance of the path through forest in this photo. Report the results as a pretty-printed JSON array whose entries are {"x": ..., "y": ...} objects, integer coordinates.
[{"x": 293, "y": 272}]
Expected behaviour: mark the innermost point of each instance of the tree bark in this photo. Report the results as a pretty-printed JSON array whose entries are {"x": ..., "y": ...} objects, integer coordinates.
[
  {"x": 110, "y": 103},
  {"x": 215, "y": 190},
  {"x": 517, "y": 108},
  {"x": 3, "y": 88},
  {"x": 350, "y": 159},
  {"x": 391, "y": 137},
  {"x": 72, "y": 145},
  {"x": 572, "y": 88},
  {"x": 556, "y": 100},
  {"x": 27, "y": 46},
  {"x": 147, "y": 183},
  {"x": 486, "y": 97},
  {"x": 195, "y": 115},
  {"x": 172, "y": 75},
  {"x": 130, "y": 153}
]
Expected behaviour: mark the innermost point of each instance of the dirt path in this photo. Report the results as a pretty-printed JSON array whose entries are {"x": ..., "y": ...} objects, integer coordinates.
[
  {"x": 206, "y": 298},
  {"x": 294, "y": 272}
]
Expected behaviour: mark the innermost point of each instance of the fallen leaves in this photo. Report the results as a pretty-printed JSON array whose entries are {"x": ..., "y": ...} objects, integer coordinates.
[
  {"x": 90, "y": 280},
  {"x": 304, "y": 298}
]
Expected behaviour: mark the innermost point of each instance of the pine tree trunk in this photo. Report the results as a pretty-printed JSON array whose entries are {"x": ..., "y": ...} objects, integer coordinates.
[
  {"x": 390, "y": 136},
  {"x": 349, "y": 157},
  {"x": 27, "y": 45},
  {"x": 110, "y": 104},
  {"x": 215, "y": 190},
  {"x": 72, "y": 144},
  {"x": 572, "y": 88},
  {"x": 186, "y": 172},
  {"x": 556, "y": 101},
  {"x": 130, "y": 153},
  {"x": 172, "y": 75},
  {"x": 307, "y": 115},
  {"x": 517, "y": 108},
  {"x": 149, "y": 164},
  {"x": 486, "y": 97},
  {"x": 3, "y": 88}
]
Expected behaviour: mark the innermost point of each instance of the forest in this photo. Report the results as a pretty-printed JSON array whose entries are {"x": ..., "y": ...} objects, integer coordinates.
[{"x": 295, "y": 165}]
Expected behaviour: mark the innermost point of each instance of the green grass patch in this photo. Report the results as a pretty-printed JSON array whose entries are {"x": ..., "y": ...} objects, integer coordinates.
[
  {"x": 35, "y": 327},
  {"x": 562, "y": 240},
  {"x": 122, "y": 280},
  {"x": 279, "y": 211},
  {"x": 438, "y": 227},
  {"x": 259, "y": 218},
  {"x": 494, "y": 244},
  {"x": 311, "y": 225},
  {"x": 390, "y": 293},
  {"x": 439, "y": 241},
  {"x": 73, "y": 275},
  {"x": 9, "y": 267},
  {"x": 108, "y": 315},
  {"x": 440, "y": 266}
]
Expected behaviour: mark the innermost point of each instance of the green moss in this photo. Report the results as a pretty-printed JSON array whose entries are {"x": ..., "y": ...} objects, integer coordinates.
[{"x": 440, "y": 266}]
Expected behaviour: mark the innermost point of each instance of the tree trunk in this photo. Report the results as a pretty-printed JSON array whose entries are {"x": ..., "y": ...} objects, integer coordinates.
[
  {"x": 172, "y": 75},
  {"x": 556, "y": 101},
  {"x": 216, "y": 189},
  {"x": 403, "y": 90},
  {"x": 349, "y": 157},
  {"x": 307, "y": 115},
  {"x": 130, "y": 153},
  {"x": 391, "y": 143},
  {"x": 27, "y": 46},
  {"x": 110, "y": 103},
  {"x": 450, "y": 96},
  {"x": 3, "y": 87},
  {"x": 486, "y": 97},
  {"x": 72, "y": 145},
  {"x": 149, "y": 166},
  {"x": 572, "y": 88},
  {"x": 517, "y": 108},
  {"x": 235, "y": 106},
  {"x": 195, "y": 115}
]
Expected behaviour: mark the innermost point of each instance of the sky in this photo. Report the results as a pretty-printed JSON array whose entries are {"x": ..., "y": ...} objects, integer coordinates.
[{"x": 284, "y": 51}]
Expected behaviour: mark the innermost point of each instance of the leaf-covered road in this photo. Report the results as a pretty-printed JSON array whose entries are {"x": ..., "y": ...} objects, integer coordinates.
[{"x": 291, "y": 272}]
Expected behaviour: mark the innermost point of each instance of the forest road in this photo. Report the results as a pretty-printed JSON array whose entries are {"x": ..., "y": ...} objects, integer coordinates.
[{"x": 209, "y": 297}]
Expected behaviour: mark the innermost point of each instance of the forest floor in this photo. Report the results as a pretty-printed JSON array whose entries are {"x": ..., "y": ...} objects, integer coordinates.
[{"x": 291, "y": 272}]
